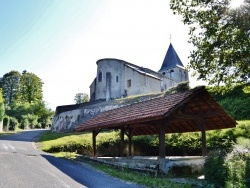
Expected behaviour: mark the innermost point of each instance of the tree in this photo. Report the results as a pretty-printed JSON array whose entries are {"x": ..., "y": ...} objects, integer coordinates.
[
  {"x": 81, "y": 98},
  {"x": 221, "y": 37},
  {"x": 9, "y": 85},
  {"x": 30, "y": 88},
  {"x": 2, "y": 110}
]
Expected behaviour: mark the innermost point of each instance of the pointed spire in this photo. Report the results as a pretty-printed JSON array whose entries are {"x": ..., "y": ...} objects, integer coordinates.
[{"x": 171, "y": 59}]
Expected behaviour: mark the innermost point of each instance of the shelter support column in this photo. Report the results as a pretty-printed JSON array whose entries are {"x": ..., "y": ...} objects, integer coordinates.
[
  {"x": 130, "y": 145},
  {"x": 202, "y": 125},
  {"x": 130, "y": 136},
  {"x": 94, "y": 134},
  {"x": 122, "y": 141},
  {"x": 162, "y": 150}
]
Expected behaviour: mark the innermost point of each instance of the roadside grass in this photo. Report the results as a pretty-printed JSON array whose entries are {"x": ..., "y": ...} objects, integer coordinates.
[
  {"x": 6, "y": 133},
  {"x": 138, "y": 177}
]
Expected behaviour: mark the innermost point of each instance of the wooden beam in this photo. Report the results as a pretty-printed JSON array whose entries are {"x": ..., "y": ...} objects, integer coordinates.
[
  {"x": 201, "y": 123},
  {"x": 162, "y": 130},
  {"x": 130, "y": 142},
  {"x": 94, "y": 134},
  {"x": 197, "y": 116},
  {"x": 122, "y": 141}
]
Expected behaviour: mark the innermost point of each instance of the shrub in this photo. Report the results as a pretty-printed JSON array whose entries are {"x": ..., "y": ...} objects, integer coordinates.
[
  {"x": 214, "y": 168},
  {"x": 13, "y": 124},
  {"x": 238, "y": 166},
  {"x": 230, "y": 169},
  {"x": 6, "y": 122}
]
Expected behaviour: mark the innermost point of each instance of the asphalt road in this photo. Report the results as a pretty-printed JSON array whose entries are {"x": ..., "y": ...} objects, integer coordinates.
[{"x": 22, "y": 165}]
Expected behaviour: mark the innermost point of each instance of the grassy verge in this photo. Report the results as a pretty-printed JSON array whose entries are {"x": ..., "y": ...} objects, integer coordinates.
[
  {"x": 138, "y": 178},
  {"x": 4, "y": 133}
]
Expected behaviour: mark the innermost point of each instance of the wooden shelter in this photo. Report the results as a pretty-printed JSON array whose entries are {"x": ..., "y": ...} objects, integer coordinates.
[{"x": 189, "y": 111}]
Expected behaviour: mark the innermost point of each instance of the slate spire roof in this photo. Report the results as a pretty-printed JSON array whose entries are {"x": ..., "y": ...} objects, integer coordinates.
[{"x": 171, "y": 59}]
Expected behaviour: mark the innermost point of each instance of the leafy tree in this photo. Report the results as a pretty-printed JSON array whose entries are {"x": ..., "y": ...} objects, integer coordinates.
[
  {"x": 2, "y": 110},
  {"x": 81, "y": 98},
  {"x": 30, "y": 88},
  {"x": 9, "y": 85},
  {"x": 221, "y": 37}
]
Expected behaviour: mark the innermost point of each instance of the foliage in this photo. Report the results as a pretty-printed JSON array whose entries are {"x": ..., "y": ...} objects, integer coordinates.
[
  {"x": 30, "y": 88},
  {"x": 81, "y": 98},
  {"x": 235, "y": 100},
  {"x": 13, "y": 124},
  {"x": 6, "y": 123},
  {"x": 238, "y": 164},
  {"x": 39, "y": 111},
  {"x": 181, "y": 87},
  {"x": 23, "y": 100},
  {"x": 214, "y": 168},
  {"x": 10, "y": 84},
  {"x": 2, "y": 109},
  {"x": 139, "y": 178},
  {"x": 221, "y": 39},
  {"x": 229, "y": 169}
]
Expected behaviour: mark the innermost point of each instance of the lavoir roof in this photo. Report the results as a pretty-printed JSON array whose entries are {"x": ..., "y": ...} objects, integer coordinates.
[{"x": 182, "y": 112}]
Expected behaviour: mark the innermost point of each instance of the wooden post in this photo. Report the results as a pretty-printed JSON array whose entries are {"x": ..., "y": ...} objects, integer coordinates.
[
  {"x": 204, "y": 142},
  {"x": 162, "y": 150},
  {"x": 94, "y": 134},
  {"x": 122, "y": 141},
  {"x": 130, "y": 142},
  {"x": 202, "y": 125}
]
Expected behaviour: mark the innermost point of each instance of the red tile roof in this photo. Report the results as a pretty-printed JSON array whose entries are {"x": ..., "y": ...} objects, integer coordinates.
[{"x": 181, "y": 110}]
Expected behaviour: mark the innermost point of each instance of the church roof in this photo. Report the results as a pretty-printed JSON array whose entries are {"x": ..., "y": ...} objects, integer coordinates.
[{"x": 171, "y": 59}]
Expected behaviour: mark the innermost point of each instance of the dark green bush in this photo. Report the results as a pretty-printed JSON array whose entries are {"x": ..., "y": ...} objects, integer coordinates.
[
  {"x": 238, "y": 166},
  {"x": 235, "y": 100},
  {"x": 214, "y": 168},
  {"x": 6, "y": 123},
  {"x": 13, "y": 124}
]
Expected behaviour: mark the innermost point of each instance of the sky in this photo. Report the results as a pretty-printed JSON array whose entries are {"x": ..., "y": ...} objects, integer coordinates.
[{"x": 61, "y": 40}]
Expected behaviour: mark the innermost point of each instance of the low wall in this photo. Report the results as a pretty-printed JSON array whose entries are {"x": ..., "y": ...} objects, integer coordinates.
[
  {"x": 194, "y": 164},
  {"x": 67, "y": 121},
  {"x": 69, "y": 116}
]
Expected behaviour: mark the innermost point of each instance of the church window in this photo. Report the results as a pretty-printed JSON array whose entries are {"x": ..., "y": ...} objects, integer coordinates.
[
  {"x": 117, "y": 78},
  {"x": 100, "y": 76},
  {"x": 163, "y": 73},
  {"x": 129, "y": 83}
]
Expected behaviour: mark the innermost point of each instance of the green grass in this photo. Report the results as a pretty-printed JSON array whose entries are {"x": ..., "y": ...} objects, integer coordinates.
[
  {"x": 4, "y": 133},
  {"x": 137, "y": 177}
]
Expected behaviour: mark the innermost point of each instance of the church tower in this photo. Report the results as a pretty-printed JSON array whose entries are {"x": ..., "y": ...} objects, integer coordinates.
[{"x": 172, "y": 66}]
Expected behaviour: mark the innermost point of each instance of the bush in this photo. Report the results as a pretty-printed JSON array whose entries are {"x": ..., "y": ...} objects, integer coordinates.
[
  {"x": 214, "y": 168},
  {"x": 238, "y": 166},
  {"x": 13, "y": 124},
  {"x": 6, "y": 122},
  {"x": 230, "y": 169}
]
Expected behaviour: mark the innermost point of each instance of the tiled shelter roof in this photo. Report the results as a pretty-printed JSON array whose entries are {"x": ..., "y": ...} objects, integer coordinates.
[{"x": 181, "y": 111}]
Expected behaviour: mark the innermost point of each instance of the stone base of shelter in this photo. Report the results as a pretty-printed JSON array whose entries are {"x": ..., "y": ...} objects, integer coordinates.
[{"x": 177, "y": 165}]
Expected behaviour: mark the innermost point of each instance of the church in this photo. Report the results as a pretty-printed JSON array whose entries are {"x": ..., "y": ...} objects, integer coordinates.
[{"x": 118, "y": 79}]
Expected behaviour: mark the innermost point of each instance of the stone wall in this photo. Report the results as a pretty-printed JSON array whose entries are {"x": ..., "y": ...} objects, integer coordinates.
[
  {"x": 67, "y": 121},
  {"x": 68, "y": 117}
]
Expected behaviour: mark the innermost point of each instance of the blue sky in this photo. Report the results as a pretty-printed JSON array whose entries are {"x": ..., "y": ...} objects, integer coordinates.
[{"x": 61, "y": 40}]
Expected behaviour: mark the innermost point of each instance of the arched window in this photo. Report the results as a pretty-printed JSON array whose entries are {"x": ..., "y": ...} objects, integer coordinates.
[{"x": 100, "y": 76}]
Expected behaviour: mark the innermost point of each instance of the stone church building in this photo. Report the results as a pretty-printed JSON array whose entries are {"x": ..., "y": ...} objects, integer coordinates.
[{"x": 117, "y": 78}]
